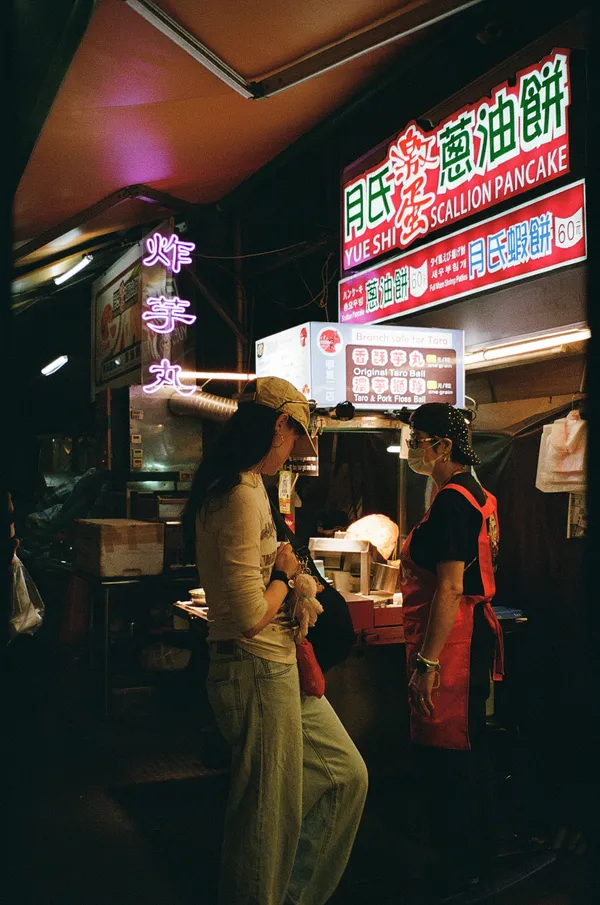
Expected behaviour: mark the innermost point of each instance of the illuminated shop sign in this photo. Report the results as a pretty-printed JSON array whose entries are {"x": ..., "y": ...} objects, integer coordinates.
[
  {"x": 531, "y": 239},
  {"x": 375, "y": 368},
  {"x": 482, "y": 155},
  {"x": 168, "y": 250},
  {"x": 168, "y": 375},
  {"x": 165, "y": 315}
]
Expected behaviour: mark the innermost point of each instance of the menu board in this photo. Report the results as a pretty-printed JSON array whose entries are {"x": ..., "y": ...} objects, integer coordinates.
[
  {"x": 373, "y": 367},
  {"x": 386, "y": 375}
]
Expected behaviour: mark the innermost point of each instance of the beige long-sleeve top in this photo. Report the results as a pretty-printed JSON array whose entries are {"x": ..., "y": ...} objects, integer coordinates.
[{"x": 236, "y": 546}]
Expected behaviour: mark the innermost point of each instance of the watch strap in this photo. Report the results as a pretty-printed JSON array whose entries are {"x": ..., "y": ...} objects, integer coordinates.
[{"x": 280, "y": 575}]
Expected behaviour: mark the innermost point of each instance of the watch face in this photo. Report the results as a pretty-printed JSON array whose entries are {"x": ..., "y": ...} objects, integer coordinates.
[{"x": 421, "y": 667}]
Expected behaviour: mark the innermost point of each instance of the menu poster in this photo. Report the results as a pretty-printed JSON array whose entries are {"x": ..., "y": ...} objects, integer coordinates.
[
  {"x": 117, "y": 324},
  {"x": 388, "y": 375}
]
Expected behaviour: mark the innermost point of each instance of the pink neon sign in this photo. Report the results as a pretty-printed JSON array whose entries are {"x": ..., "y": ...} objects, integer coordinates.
[
  {"x": 163, "y": 314},
  {"x": 166, "y": 313},
  {"x": 168, "y": 375},
  {"x": 170, "y": 251}
]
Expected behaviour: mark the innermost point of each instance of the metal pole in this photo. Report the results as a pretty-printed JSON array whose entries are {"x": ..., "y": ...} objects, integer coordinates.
[
  {"x": 402, "y": 474},
  {"x": 106, "y": 620},
  {"x": 240, "y": 302}
]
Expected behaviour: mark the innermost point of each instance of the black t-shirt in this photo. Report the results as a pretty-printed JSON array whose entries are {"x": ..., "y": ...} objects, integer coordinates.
[{"x": 451, "y": 533}]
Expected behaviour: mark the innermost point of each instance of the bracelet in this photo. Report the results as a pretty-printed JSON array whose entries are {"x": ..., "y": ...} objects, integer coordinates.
[
  {"x": 424, "y": 665},
  {"x": 425, "y": 660}
]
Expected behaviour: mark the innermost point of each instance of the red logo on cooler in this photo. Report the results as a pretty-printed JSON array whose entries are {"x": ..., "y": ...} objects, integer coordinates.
[{"x": 329, "y": 341}]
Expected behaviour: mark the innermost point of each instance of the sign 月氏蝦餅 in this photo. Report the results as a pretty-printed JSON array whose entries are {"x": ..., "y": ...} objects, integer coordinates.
[{"x": 538, "y": 236}]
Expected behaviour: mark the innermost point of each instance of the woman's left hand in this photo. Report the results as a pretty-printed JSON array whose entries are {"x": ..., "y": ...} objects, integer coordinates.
[{"x": 420, "y": 686}]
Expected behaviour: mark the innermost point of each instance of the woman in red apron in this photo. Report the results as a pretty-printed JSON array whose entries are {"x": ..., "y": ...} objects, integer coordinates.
[{"x": 453, "y": 641}]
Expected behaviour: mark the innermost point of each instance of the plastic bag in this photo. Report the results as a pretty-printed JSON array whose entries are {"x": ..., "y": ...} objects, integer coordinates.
[
  {"x": 561, "y": 462},
  {"x": 27, "y": 607}
]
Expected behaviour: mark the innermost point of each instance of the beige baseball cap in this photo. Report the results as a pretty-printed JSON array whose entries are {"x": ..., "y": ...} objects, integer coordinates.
[{"x": 281, "y": 395}]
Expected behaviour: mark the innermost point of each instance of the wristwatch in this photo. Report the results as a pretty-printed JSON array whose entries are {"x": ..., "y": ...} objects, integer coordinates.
[{"x": 280, "y": 575}]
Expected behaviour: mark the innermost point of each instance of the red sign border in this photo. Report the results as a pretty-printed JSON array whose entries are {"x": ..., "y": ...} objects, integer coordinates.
[{"x": 468, "y": 292}]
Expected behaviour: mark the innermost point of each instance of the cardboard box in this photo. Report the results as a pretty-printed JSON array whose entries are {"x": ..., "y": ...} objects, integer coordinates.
[
  {"x": 388, "y": 615},
  {"x": 113, "y": 548}
]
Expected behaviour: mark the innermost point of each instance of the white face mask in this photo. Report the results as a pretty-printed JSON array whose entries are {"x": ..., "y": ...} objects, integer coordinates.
[{"x": 417, "y": 463}]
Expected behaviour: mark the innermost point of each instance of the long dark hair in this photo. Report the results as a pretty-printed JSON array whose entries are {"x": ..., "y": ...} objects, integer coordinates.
[{"x": 244, "y": 440}]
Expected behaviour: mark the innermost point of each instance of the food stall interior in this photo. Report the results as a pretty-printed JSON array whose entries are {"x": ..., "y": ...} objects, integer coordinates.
[{"x": 540, "y": 568}]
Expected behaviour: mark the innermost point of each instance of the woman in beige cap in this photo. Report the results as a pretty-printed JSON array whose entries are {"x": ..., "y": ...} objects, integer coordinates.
[{"x": 298, "y": 784}]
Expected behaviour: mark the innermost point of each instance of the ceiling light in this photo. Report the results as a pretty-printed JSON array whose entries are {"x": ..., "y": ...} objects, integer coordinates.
[
  {"x": 216, "y": 375},
  {"x": 55, "y": 365},
  {"x": 86, "y": 259},
  {"x": 393, "y": 449},
  {"x": 518, "y": 350}
]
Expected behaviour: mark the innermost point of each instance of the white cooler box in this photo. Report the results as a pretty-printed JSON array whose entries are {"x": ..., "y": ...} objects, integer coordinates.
[{"x": 119, "y": 547}]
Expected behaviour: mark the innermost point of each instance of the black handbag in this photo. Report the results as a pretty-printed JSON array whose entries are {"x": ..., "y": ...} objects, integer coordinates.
[{"x": 333, "y": 635}]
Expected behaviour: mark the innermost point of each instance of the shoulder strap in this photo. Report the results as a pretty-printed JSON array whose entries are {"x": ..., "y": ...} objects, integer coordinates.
[
  {"x": 301, "y": 552},
  {"x": 485, "y": 509}
]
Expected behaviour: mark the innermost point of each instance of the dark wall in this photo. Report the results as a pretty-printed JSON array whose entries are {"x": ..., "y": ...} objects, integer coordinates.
[
  {"x": 540, "y": 571},
  {"x": 58, "y": 404}
]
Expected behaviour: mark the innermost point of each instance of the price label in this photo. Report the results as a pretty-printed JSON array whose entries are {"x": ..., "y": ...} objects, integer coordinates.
[
  {"x": 568, "y": 231},
  {"x": 419, "y": 281},
  {"x": 285, "y": 492}
]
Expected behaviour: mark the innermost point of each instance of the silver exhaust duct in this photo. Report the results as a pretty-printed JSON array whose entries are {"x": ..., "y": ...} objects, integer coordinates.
[{"x": 203, "y": 405}]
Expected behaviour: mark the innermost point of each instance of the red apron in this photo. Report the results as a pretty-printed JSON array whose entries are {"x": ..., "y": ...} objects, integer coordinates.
[{"x": 448, "y": 728}]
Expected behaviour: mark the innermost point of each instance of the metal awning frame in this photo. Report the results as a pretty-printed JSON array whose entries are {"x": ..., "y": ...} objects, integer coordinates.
[{"x": 404, "y": 24}]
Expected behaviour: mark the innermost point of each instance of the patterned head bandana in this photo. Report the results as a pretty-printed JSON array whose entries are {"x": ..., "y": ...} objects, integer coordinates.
[{"x": 442, "y": 420}]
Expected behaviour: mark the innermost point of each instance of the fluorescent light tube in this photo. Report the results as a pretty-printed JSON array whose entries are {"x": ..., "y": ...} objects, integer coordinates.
[
  {"x": 55, "y": 365},
  {"x": 86, "y": 259},
  {"x": 527, "y": 347},
  {"x": 215, "y": 375}
]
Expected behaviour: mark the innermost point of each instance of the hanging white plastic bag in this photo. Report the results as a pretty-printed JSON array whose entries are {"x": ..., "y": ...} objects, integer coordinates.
[
  {"x": 27, "y": 607},
  {"x": 568, "y": 441},
  {"x": 562, "y": 457}
]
